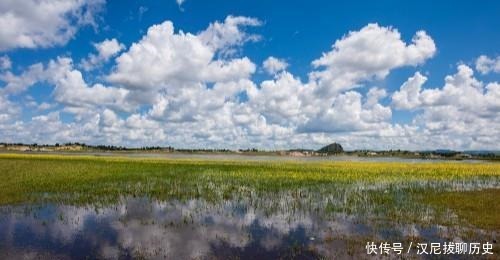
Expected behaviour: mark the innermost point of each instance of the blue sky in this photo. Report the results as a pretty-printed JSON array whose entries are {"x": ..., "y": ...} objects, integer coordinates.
[{"x": 297, "y": 33}]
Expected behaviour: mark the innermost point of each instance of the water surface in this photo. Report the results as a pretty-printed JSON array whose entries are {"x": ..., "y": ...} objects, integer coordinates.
[{"x": 196, "y": 229}]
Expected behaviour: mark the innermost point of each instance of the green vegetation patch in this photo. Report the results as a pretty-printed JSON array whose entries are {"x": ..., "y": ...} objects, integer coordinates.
[
  {"x": 375, "y": 190},
  {"x": 480, "y": 208}
]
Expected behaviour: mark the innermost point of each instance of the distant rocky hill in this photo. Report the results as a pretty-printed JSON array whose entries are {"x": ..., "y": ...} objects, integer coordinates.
[{"x": 332, "y": 149}]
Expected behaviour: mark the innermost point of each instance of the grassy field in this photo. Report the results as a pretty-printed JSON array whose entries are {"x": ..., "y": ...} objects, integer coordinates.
[
  {"x": 342, "y": 205},
  {"x": 395, "y": 191}
]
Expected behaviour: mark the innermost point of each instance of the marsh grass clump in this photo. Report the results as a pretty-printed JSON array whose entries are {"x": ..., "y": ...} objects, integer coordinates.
[{"x": 479, "y": 207}]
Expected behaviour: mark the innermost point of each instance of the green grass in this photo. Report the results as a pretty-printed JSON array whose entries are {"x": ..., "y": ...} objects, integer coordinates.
[
  {"x": 396, "y": 191},
  {"x": 470, "y": 205}
]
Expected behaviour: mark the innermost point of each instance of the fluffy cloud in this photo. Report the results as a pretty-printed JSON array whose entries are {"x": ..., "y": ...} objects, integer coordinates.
[
  {"x": 274, "y": 65},
  {"x": 5, "y": 63},
  {"x": 8, "y": 110},
  {"x": 33, "y": 24},
  {"x": 70, "y": 89},
  {"x": 368, "y": 54},
  {"x": 224, "y": 37},
  {"x": 485, "y": 65},
  {"x": 169, "y": 61},
  {"x": 461, "y": 89},
  {"x": 280, "y": 101},
  {"x": 408, "y": 97},
  {"x": 162, "y": 57},
  {"x": 15, "y": 84},
  {"x": 327, "y": 103},
  {"x": 463, "y": 113},
  {"x": 349, "y": 114},
  {"x": 196, "y": 90},
  {"x": 105, "y": 51}
]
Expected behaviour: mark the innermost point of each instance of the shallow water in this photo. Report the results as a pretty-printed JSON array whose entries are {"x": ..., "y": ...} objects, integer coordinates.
[
  {"x": 332, "y": 158},
  {"x": 140, "y": 227},
  {"x": 246, "y": 157}
]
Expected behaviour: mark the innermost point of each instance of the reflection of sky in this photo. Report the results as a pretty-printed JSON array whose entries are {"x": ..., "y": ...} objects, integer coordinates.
[{"x": 182, "y": 230}]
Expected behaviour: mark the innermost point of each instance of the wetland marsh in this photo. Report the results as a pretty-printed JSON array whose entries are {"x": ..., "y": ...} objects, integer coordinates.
[{"x": 54, "y": 206}]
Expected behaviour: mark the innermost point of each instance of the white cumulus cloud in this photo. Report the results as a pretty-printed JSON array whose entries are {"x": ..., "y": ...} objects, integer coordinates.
[
  {"x": 485, "y": 65},
  {"x": 463, "y": 113},
  {"x": 5, "y": 63},
  {"x": 370, "y": 53},
  {"x": 408, "y": 97},
  {"x": 196, "y": 90},
  {"x": 170, "y": 61},
  {"x": 34, "y": 23},
  {"x": 105, "y": 51},
  {"x": 274, "y": 65}
]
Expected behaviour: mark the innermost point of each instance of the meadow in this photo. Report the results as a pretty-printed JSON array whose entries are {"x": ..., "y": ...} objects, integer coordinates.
[{"x": 374, "y": 197}]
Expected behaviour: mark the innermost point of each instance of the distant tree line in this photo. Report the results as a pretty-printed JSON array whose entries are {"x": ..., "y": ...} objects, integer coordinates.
[
  {"x": 95, "y": 147},
  {"x": 203, "y": 150},
  {"x": 249, "y": 150},
  {"x": 332, "y": 148}
]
